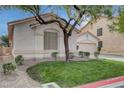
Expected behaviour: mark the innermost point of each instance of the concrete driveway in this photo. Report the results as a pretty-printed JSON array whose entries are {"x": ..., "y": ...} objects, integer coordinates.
[
  {"x": 19, "y": 78},
  {"x": 112, "y": 57}
]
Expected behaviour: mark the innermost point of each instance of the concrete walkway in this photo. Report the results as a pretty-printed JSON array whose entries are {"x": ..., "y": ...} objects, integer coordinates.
[
  {"x": 113, "y": 57},
  {"x": 19, "y": 78}
]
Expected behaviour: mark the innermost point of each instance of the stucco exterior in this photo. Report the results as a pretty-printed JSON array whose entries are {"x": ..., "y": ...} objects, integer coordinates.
[
  {"x": 29, "y": 42},
  {"x": 113, "y": 42},
  {"x": 87, "y": 42},
  {"x": 1, "y": 52}
]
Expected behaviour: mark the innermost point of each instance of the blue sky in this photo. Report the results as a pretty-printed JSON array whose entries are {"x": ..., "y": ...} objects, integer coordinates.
[
  {"x": 10, "y": 15},
  {"x": 13, "y": 14}
]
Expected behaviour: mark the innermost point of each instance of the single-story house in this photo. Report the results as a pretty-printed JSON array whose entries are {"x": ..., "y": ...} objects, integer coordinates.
[
  {"x": 112, "y": 42},
  {"x": 30, "y": 39}
]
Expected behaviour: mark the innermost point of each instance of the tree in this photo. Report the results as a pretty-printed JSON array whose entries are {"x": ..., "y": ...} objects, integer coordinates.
[
  {"x": 76, "y": 14},
  {"x": 5, "y": 40},
  {"x": 119, "y": 24},
  {"x": 118, "y": 21}
]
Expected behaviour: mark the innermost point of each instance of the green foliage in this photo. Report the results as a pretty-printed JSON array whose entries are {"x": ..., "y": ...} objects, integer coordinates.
[
  {"x": 96, "y": 54},
  {"x": 99, "y": 49},
  {"x": 5, "y": 40},
  {"x": 75, "y": 73},
  {"x": 81, "y": 54},
  {"x": 120, "y": 23},
  {"x": 68, "y": 10},
  {"x": 8, "y": 68},
  {"x": 19, "y": 60},
  {"x": 93, "y": 12},
  {"x": 54, "y": 55},
  {"x": 25, "y": 8},
  {"x": 71, "y": 55},
  {"x": 86, "y": 54}
]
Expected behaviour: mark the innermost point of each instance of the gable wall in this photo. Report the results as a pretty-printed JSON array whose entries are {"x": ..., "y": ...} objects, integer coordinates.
[
  {"x": 112, "y": 41},
  {"x": 87, "y": 37}
]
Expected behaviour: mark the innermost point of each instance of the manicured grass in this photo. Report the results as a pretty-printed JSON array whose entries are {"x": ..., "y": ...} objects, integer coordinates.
[{"x": 75, "y": 73}]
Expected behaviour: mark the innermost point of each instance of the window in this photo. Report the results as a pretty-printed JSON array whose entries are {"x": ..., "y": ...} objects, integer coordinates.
[
  {"x": 50, "y": 41},
  {"x": 100, "y": 44},
  {"x": 99, "y": 32}
]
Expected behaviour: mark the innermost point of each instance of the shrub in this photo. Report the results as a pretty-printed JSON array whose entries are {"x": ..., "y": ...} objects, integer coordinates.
[
  {"x": 71, "y": 55},
  {"x": 87, "y": 54},
  {"x": 5, "y": 40},
  {"x": 99, "y": 49},
  {"x": 81, "y": 54},
  {"x": 54, "y": 55},
  {"x": 19, "y": 60},
  {"x": 96, "y": 54},
  {"x": 8, "y": 68}
]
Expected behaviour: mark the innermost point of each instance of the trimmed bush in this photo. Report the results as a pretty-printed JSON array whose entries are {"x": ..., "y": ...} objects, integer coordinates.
[
  {"x": 96, "y": 54},
  {"x": 19, "y": 60},
  {"x": 99, "y": 49},
  {"x": 54, "y": 55},
  {"x": 81, "y": 54},
  {"x": 87, "y": 54},
  {"x": 71, "y": 55},
  {"x": 8, "y": 68}
]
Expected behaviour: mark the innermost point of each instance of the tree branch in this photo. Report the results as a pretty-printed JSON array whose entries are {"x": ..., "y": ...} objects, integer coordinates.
[
  {"x": 72, "y": 28},
  {"x": 81, "y": 13},
  {"x": 69, "y": 22},
  {"x": 41, "y": 21},
  {"x": 77, "y": 8},
  {"x": 62, "y": 19}
]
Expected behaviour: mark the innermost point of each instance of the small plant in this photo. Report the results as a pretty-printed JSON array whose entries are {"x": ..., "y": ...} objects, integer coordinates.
[
  {"x": 99, "y": 49},
  {"x": 54, "y": 55},
  {"x": 8, "y": 68},
  {"x": 96, "y": 54},
  {"x": 87, "y": 54},
  {"x": 19, "y": 60},
  {"x": 81, "y": 54},
  {"x": 5, "y": 40},
  {"x": 71, "y": 55}
]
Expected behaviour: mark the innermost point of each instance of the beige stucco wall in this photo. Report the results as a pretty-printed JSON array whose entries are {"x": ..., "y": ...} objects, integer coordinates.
[
  {"x": 1, "y": 52},
  {"x": 86, "y": 37},
  {"x": 113, "y": 42},
  {"x": 30, "y": 42},
  {"x": 87, "y": 43}
]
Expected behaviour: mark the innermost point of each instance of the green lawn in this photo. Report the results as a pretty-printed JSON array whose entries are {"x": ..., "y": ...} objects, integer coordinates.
[{"x": 75, "y": 73}]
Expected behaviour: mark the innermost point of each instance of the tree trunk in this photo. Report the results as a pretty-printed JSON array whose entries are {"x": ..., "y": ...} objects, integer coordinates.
[{"x": 66, "y": 47}]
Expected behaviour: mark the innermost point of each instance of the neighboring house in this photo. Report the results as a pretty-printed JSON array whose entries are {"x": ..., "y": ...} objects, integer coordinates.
[
  {"x": 87, "y": 42},
  {"x": 30, "y": 39},
  {"x": 111, "y": 42}
]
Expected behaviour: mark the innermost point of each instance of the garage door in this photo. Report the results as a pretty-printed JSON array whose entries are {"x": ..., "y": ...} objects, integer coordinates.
[{"x": 88, "y": 47}]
